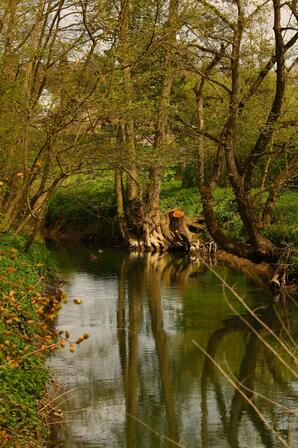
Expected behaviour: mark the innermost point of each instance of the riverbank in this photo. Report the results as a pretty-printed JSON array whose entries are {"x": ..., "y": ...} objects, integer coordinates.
[
  {"x": 88, "y": 213},
  {"x": 30, "y": 299}
]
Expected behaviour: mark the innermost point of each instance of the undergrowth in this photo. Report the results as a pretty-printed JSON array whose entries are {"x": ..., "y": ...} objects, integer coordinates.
[
  {"x": 27, "y": 307},
  {"x": 91, "y": 207},
  {"x": 85, "y": 208}
]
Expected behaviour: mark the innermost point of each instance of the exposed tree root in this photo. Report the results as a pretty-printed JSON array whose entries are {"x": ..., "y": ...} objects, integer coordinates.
[{"x": 169, "y": 232}]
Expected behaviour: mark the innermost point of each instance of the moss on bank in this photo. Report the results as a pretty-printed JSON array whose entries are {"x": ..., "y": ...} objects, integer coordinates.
[{"x": 27, "y": 307}]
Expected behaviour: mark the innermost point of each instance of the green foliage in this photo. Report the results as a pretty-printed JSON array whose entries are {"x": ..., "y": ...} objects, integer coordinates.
[
  {"x": 281, "y": 234},
  {"x": 284, "y": 228},
  {"x": 294, "y": 267},
  {"x": 23, "y": 333},
  {"x": 84, "y": 208},
  {"x": 91, "y": 208},
  {"x": 186, "y": 199}
]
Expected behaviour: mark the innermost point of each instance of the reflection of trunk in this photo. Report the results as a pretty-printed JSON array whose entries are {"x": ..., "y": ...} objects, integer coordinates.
[
  {"x": 260, "y": 426},
  {"x": 209, "y": 372},
  {"x": 153, "y": 233},
  {"x": 132, "y": 368},
  {"x": 246, "y": 377},
  {"x": 128, "y": 362},
  {"x": 121, "y": 317},
  {"x": 129, "y": 132},
  {"x": 163, "y": 356}
]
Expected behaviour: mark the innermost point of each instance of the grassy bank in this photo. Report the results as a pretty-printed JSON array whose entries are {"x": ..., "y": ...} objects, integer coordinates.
[
  {"x": 28, "y": 304},
  {"x": 90, "y": 211},
  {"x": 84, "y": 212}
]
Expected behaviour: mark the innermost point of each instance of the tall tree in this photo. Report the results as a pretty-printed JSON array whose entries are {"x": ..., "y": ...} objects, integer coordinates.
[{"x": 240, "y": 166}]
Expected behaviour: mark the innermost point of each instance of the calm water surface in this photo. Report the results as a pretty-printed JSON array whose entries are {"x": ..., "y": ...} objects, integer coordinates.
[{"x": 140, "y": 380}]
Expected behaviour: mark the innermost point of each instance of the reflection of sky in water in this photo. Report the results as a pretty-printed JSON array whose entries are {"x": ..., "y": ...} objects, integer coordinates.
[{"x": 192, "y": 308}]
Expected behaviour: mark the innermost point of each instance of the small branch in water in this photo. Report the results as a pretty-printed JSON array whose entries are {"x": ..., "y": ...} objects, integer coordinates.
[
  {"x": 255, "y": 316},
  {"x": 246, "y": 398},
  {"x": 294, "y": 373},
  {"x": 258, "y": 394},
  {"x": 64, "y": 421},
  {"x": 285, "y": 328}
]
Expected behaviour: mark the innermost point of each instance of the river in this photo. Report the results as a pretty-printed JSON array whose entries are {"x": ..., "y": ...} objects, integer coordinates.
[{"x": 145, "y": 377}]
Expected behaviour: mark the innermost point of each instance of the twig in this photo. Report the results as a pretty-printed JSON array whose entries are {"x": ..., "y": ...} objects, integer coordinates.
[
  {"x": 258, "y": 394},
  {"x": 285, "y": 328},
  {"x": 294, "y": 373},
  {"x": 59, "y": 396},
  {"x": 255, "y": 316},
  {"x": 27, "y": 293},
  {"x": 31, "y": 353},
  {"x": 249, "y": 401}
]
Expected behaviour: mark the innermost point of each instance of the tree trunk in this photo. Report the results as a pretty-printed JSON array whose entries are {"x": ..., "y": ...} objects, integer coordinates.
[
  {"x": 141, "y": 222},
  {"x": 260, "y": 246},
  {"x": 154, "y": 237},
  {"x": 129, "y": 131},
  {"x": 213, "y": 226}
]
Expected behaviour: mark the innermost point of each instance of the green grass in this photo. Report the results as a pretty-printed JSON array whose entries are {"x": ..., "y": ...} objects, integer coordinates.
[
  {"x": 91, "y": 207},
  {"x": 25, "y": 311},
  {"x": 188, "y": 200},
  {"x": 173, "y": 196},
  {"x": 284, "y": 228},
  {"x": 87, "y": 208}
]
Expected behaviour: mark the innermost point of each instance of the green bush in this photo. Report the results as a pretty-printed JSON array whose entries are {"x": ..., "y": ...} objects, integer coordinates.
[{"x": 79, "y": 204}]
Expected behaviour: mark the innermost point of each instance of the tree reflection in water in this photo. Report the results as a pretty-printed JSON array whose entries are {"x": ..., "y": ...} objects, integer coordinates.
[
  {"x": 144, "y": 276},
  {"x": 140, "y": 381}
]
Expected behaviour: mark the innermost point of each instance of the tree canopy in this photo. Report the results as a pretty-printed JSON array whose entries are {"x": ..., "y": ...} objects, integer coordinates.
[{"x": 206, "y": 88}]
